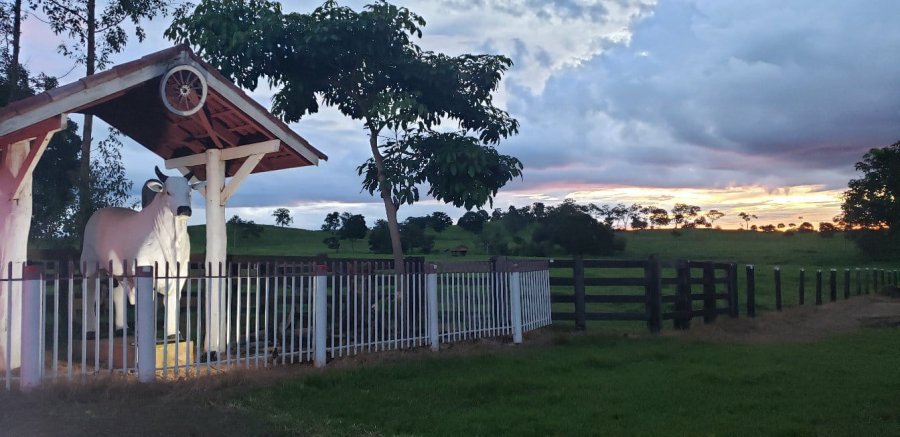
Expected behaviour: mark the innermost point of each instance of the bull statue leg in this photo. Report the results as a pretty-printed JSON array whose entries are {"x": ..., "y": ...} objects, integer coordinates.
[
  {"x": 118, "y": 292},
  {"x": 172, "y": 292}
]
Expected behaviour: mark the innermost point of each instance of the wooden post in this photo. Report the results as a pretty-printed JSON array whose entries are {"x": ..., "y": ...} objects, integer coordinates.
[
  {"x": 709, "y": 293},
  {"x": 819, "y": 287},
  {"x": 578, "y": 272},
  {"x": 832, "y": 285},
  {"x": 858, "y": 282},
  {"x": 751, "y": 292},
  {"x": 683, "y": 304},
  {"x": 802, "y": 291},
  {"x": 846, "y": 283},
  {"x": 868, "y": 279},
  {"x": 778, "y": 288},
  {"x": 653, "y": 292},
  {"x": 733, "y": 291}
]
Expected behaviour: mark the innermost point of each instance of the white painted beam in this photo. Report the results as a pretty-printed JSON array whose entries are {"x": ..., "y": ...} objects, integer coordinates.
[
  {"x": 246, "y": 168},
  {"x": 227, "y": 154},
  {"x": 34, "y": 155}
]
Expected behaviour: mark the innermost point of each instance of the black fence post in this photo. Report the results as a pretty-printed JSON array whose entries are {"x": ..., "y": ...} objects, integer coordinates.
[
  {"x": 751, "y": 292},
  {"x": 683, "y": 304},
  {"x": 733, "y": 290},
  {"x": 709, "y": 293},
  {"x": 580, "y": 309},
  {"x": 858, "y": 281},
  {"x": 867, "y": 280},
  {"x": 819, "y": 287},
  {"x": 832, "y": 285},
  {"x": 778, "y": 288},
  {"x": 846, "y": 283},
  {"x": 802, "y": 291},
  {"x": 653, "y": 290}
]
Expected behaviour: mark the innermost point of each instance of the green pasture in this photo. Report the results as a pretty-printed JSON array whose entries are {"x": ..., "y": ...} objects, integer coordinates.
[{"x": 603, "y": 385}]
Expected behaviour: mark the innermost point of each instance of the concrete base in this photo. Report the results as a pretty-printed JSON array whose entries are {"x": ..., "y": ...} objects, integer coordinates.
[{"x": 185, "y": 353}]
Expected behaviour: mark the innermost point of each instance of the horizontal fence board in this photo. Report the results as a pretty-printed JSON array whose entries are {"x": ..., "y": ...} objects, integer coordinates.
[
  {"x": 616, "y": 316},
  {"x": 602, "y": 316},
  {"x": 699, "y": 281},
  {"x": 701, "y": 296},
  {"x": 600, "y": 263},
  {"x": 614, "y": 282},
  {"x": 599, "y": 282},
  {"x": 562, "y": 298},
  {"x": 562, "y": 281},
  {"x": 603, "y": 298}
]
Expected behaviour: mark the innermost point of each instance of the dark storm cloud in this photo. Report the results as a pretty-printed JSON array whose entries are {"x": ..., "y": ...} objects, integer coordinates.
[{"x": 713, "y": 93}]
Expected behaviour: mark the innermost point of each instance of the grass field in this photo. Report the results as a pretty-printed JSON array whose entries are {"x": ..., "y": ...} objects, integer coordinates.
[
  {"x": 764, "y": 251},
  {"x": 581, "y": 385}
]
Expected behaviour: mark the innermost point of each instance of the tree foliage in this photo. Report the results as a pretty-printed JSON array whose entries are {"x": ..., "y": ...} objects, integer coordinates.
[
  {"x": 367, "y": 64},
  {"x": 282, "y": 217},
  {"x": 353, "y": 227},
  {"x": 871, "y": 201},
  {"x": 473, "y": 221},
  {"x": 571, "y": 228},
  {"x": 93, "y": 33}
]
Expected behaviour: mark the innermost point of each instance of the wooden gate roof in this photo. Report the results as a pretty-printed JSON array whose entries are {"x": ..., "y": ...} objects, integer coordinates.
[{"x": 127, "y": 97}]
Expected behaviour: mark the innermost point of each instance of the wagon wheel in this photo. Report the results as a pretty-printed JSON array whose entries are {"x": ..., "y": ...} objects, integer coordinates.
[{"x": 183, "y": 90}]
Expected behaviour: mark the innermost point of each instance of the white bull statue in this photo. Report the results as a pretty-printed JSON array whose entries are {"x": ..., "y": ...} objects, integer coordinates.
[{"x": 156, "y": 235}]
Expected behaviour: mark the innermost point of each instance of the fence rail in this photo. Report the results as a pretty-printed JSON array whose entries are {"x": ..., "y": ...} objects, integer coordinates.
[
  {"x": 639, "y": 290},
  {"x": 68, "y": 327}
]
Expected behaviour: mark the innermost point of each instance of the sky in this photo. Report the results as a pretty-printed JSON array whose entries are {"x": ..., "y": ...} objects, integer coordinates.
[{"x": 758, "y": 106}]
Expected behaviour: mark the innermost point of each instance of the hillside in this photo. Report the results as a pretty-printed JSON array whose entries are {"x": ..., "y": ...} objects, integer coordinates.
[{"x": 740, "y": 246}]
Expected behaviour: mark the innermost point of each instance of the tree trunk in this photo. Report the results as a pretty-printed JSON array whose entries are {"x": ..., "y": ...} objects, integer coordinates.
[
  {"x": 16, "y": 42},
  {"x": 389, "y": 208},
  {"x": 84, "y": 187}
]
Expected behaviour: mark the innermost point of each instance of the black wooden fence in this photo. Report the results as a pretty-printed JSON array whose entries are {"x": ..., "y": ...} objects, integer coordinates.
[{"x": 677, "y": 291}]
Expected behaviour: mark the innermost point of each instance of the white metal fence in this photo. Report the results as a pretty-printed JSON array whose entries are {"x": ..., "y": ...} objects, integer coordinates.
[{"x": 66, "y": 327}]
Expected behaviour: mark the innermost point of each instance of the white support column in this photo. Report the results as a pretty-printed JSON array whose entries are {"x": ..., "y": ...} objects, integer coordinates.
[
  {"x": 217, "y": 194},
  {"x": 515, "y": 303},
  {"x": 32, "y": 333},
  {"x": 146, "y": 325},
  {"x": 216, "y": 249},
  {"x": 20, "y": 152},
  {"x": 432, "y": 296},
  {"x": 321, "y": 317}
]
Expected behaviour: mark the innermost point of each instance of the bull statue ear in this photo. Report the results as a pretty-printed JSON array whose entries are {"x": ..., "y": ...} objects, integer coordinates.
[
  {"x": 155, "y": 186},
  {"x": 199, "y": 185}
]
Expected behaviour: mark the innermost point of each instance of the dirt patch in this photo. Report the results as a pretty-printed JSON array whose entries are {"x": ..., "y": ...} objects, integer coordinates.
[{"x": 799, "y": 324}]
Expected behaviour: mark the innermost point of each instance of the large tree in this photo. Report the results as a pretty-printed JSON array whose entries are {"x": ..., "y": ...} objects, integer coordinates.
[
  {"x": 367, "y": 65},
  {"x": 95, "y": 31},
  {"x": 871, "y": 201}
]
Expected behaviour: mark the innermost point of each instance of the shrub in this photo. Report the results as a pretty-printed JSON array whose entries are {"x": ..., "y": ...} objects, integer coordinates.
[{"x": 788, "y": 233}]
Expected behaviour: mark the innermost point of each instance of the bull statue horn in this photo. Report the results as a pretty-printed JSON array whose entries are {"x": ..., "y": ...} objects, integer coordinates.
[
  {"x": 189, "y": 175},
  {"x": 160, "y": 175}
]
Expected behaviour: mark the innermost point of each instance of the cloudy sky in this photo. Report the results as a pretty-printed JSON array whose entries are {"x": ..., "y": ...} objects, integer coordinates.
[{"x": 760, "y": 106}]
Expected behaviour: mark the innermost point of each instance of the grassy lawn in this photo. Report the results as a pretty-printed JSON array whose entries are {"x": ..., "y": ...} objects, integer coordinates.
[{"x": 605, "y": 385}]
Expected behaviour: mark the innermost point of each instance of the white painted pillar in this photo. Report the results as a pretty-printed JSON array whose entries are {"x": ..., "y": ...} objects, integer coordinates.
[
  {"x": 321, "y": 314},
  {"x": 432, "y": 296},
  {"x": 515, "y": 302},
  {"x": 216, "y": 250},
  {"x": 32, "y": 367},
  {"x": 15, "y": 224},
  {"x": 146, "y": 325}
]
